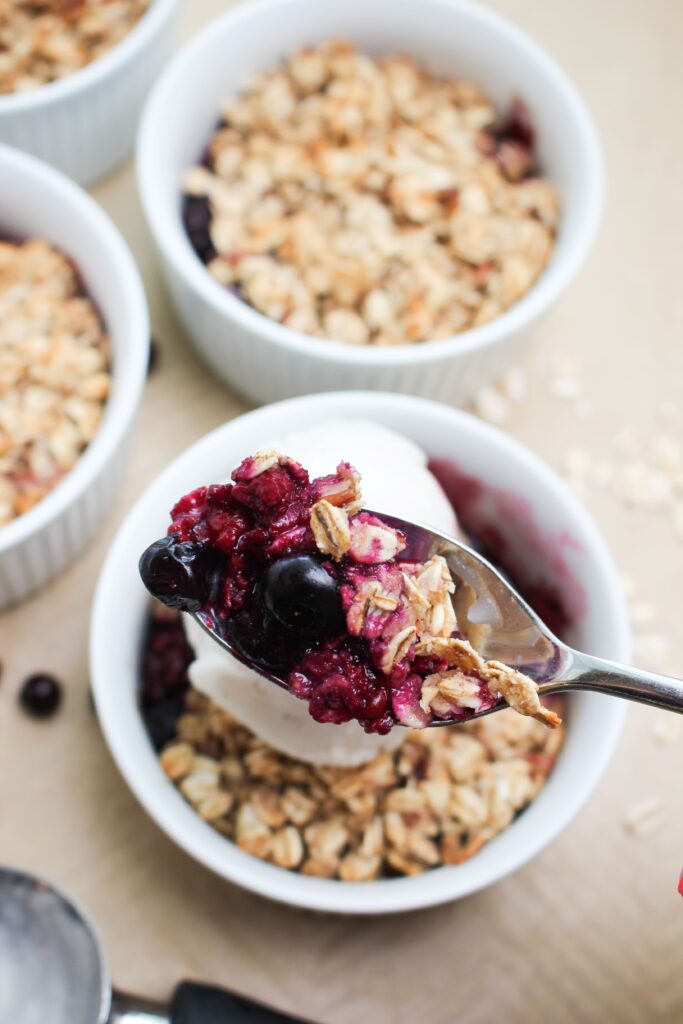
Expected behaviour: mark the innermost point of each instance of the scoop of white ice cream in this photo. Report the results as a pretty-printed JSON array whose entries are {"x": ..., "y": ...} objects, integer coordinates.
[{"x": 396, "y": 480}]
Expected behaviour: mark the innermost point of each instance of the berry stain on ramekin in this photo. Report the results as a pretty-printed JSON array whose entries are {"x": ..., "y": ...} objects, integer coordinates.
[{"x": 503, "y": 527}]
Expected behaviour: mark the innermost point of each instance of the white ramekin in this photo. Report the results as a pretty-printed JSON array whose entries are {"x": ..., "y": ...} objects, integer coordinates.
[
  {"x": 266, "y": 361},
  {"x": 556, "y": 519},
  {"x": 85, "y": 124},
  {"x": 37, "y": 201}
]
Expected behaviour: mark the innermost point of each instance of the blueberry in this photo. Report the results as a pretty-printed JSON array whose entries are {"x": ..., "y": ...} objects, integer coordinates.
[
  {"x": 261, "y": 640},
  {"x": 177, "y": 573},
  {"x": 302, "y": 595},
  {"x": 40, "y": 695},
  {"x": 153, "y": 360},
  {"x": 197, "y": 221},
  {"x": 161, "y": 720}
]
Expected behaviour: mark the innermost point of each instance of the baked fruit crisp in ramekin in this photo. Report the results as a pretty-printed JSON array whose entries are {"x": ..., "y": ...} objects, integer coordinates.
[
  {"x": 371, "y": 201},
  {"x": 310, "y": 587},
  {"x": 44, "y": 42}
]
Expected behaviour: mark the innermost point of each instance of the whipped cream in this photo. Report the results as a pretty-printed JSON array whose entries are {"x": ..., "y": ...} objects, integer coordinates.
[{"x": 395, "y": 480}]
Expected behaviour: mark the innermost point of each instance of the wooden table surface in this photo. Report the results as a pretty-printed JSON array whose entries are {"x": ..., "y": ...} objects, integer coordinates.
[{"x": 592, "y": 930}]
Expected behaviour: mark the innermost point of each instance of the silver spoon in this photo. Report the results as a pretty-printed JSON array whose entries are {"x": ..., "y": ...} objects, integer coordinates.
[
  {"x": 53, "y": 970},
  {"x": 502, "y": 627}
]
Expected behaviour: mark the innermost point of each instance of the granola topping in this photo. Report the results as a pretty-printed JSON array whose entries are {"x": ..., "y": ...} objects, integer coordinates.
[
  {"x": 54, "y": 372},
  {"x": 42, "y": 42},
  {"x": 435, "y": 801},
  {"x": 371, "y": 201}
]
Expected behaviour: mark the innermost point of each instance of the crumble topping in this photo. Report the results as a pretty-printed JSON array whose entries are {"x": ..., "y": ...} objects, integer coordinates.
[
  {"x": 436, "y": 801},
  {"x": 41, "y": 42},
  {"x": 54, "y": 372},
  {"x": 371, "y": 201}
]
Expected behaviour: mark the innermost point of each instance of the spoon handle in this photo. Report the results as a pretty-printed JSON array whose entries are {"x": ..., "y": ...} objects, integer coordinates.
[
  {"x": 203, "y": 1004},
  {"x": 601, "y": 676}
]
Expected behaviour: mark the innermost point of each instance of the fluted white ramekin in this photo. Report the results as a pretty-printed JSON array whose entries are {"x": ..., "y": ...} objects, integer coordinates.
[
  {"x": 548, "y": 523},
  {"x": 85, "y": 124},
  {"x": 37, "y": 201},
  {"x": 267, "y": 361}
]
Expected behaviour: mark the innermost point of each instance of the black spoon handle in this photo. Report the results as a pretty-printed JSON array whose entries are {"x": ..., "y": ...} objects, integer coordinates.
[{"x": 203, "y": 1004}]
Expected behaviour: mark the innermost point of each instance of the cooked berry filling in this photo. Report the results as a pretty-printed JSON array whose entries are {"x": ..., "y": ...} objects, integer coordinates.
[
  {"x": 166, "y": 659},
  {"x": 311, "y": 589}
]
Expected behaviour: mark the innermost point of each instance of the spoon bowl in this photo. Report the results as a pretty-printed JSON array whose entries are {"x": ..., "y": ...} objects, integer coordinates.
[
  {"x": 502, "y": 627},
  {"x": 53, "y": 970}
]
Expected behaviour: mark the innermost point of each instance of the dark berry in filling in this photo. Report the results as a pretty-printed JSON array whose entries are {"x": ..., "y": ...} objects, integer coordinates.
[
  {"x": 197, "y": 221},
  {"x": 180, "y": 575},
  {"x": 303, "y": 595},
  {"x": 341, "y": 685},
  {"x": 153, "y": 360},
  {"x": 40, "y": 695},
  {"x": 166, "y": 659}
]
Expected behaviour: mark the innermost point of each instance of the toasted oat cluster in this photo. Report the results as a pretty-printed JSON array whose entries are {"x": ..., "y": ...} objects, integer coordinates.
[
  {"x": 44, "y": 40},
  {"x": 54, "y": 372},
  {"x": 370, "y": 201},
  {"x": 436, "y": 801}
]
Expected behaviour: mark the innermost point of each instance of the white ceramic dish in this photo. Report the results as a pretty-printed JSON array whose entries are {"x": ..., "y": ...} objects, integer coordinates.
[
  {"x": 267, "y": 361},
  {"x": 594, "y": 721},
  {"x": 85, "y": 124},
  {"x": 37, "y": 201}
]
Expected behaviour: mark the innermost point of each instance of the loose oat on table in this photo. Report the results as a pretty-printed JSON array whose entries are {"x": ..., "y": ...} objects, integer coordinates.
[
  {"x": 41, "y": 42},
  {"x": 370, "y": 201},
  {"x": 435, "y": 801},
  {"x": 644, "y": 817},
  {"x": 54, "y": 372}
]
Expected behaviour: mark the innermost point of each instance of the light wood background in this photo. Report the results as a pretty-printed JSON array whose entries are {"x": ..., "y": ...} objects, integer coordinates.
[{"x": 592, "y": 930}]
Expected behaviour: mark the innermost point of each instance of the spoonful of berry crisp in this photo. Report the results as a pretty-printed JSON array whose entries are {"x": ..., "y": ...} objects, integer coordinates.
[{"x": 365, "y": 616}]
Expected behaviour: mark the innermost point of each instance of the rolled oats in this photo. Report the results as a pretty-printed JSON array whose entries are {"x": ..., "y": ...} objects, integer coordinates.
[
  {"x": 54, "y": 372},
  {"x": 644, "y": 817},
  {"x": 330, "y": 526},
  {"x": 178, "y": 760},
  {"x": 371, "y": 201},
  {"x": 437, "y": 800},
  {"x": 42, "y": 42}
]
